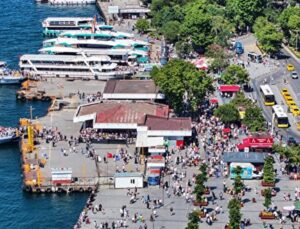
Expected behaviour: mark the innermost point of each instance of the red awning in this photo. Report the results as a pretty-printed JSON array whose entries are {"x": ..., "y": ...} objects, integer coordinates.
[
  {"x": 229, "y": 88},
  {"x": 214, "y": 100},
  {"x": 241, "y": 146},
  {"x": 157, "y": 157},
  {"x": 253, "y": 142},
  {"x": 226, "y": 130}
]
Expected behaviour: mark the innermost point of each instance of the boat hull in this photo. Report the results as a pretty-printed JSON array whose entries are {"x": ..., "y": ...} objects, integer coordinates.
[
  {"x": 9, "y": 139},
  {"x": 11, "y": 80}
]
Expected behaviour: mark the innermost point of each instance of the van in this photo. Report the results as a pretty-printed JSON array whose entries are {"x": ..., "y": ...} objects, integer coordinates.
[{"x": 254, "y": 57}]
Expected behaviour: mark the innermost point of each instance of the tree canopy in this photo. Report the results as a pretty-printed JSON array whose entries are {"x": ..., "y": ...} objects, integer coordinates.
[
  {"x": 235, "y": 74},
  {"x": 254, "y": 119},
  {"x": 183, "y": 84},
  {"x": 142, "y": 25},
  {"x": 228, "y": 113},
  {"x": 235, "y": 215},
  {"x": 268, "y": 35}
]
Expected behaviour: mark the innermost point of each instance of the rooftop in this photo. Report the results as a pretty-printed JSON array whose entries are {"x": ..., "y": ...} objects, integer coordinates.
[
  {"x": 165, "y": 123},
  {"x": 128, "y": 174},
  {"x": 130, "y": 87},
  {"x": 251, "y": 157},
  {"x": 123, "y": 112}
]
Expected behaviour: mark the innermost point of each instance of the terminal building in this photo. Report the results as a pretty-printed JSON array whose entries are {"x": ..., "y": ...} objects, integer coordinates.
[{"x": 148, "y": 122}]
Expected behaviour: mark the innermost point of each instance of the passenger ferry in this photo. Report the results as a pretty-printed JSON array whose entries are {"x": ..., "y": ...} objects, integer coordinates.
[
  {"x": 74, "y": 66},
  {"x": 71, "y": 2},
  {"x": 53, "y": 26},
  {"x": 97, "y": 34},
  {"x": 98, "y": 44},
  {"x": 8, "y": 76}
]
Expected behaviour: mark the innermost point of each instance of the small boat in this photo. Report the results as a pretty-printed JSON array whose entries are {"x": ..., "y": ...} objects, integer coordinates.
[
  {"x": 8, "y": 76},
  {"x": 8, "y": 135}
]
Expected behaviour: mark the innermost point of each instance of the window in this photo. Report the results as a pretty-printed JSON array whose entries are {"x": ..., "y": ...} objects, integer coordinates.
[{"x": 132, "y": 181}]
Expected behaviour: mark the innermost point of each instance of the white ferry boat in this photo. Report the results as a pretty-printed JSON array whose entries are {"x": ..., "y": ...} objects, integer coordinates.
[
  {"x": 73, "y": 66},
  {"x": 71, "y": 2},
  {"x": 97, "y": 35},
  {"x": 53, "y": 26},
  {"x": 100, "y": 44},
  {"x": 8, "y": 76},
  {"x": 7, "y": 135}
]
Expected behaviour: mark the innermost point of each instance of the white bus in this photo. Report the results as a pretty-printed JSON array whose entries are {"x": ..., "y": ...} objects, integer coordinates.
[
  {"x": 268, "y": 95},
  {"x": 280, "y": 117}
]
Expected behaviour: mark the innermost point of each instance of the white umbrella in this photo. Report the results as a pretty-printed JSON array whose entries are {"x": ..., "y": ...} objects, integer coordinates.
[{"x": 288, "y": 208}]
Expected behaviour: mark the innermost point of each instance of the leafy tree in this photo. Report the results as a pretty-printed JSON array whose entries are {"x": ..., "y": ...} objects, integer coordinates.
[
  {"x": 220, "y": 57},
  {"x": 183, "y": 84},
  {"x": 238, "y": 184},
  {"x": 243, "y": 12},
  {"x": 268, "y": 171},
  {"x": 197, "y": 25},
  {"x": 240, "y": 100},
  {"x": 183, "y": 48},
  {"x": 201, "y": 178},
  {"x": 235, "y": 74},
  {"x": 254, "y": 119},
  {"x": 268, "y": 35},
  {"x": 284, "y": 18},
  {"x": 268, "y": 197},
  {"x": 142, "y": 25},
  {"x": 171, "y": 31},
  {"x": 235, "y": 215},
  {"x": 193, "y": 220},
  {"x": 227, "y": 113}
]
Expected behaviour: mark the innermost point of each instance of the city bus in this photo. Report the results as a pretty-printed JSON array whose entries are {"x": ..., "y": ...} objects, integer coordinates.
[
  {"x": 269, "y": 98},
  {"x": 280, "y": 117}
]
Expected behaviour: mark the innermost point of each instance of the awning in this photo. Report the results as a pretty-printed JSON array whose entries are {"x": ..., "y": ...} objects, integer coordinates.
[
  {"x": 214, "y": 100},
  {"x": 229, "y": 88},
  {"x": 226, "y": 130},
  {"x": 258, "y": 142}
]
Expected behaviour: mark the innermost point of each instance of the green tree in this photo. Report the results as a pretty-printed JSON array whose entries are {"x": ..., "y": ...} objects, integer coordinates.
[
  {"x": 171, "y": 31},
  {"x": 268, "y": 35},
  {"x": 193, "y": 220},
  {"x": 142, "y": 25},
  {"x": 196, "y": 26},
  {"x": 240, "y": 100},
  {"x": 227, "y": 113},
  {"x": 238, "y": 184},
  {"x": 183, "y": 49},
  {"x": 235, "y": 74},
  {"x": 219, "y": 56},
  {"x": 268, "y": 197},
  {"x": 183, "y": 84},
  {"x": 254, "y": 119},
  {"x": 268, "y": 169},
  {"x": 235, "y": 215},
  {"x": 243, "y": 12}
]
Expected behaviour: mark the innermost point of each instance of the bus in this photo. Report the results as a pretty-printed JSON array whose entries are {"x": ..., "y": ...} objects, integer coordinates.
[
  {"x": 269, "y": 98},
  {"x": 280, "y": 117}
]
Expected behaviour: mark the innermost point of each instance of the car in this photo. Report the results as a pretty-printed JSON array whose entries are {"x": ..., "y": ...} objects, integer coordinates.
[
  {"x": 290, "y": 67},
  {"x": 289, "y": 101},
  {"x": 294, "y": 75},
  {"x": 293, "y": 106},
  {"x": 292, "y": 141},
  {"x": 284, "y": 90},
  {"x": 295, "y": 111},
  {"x": 287, "y": 96}
]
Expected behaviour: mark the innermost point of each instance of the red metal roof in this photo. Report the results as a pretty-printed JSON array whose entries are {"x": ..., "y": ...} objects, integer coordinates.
[
  {"x": 159, "y": 122},
  {"x": 129, "y": 112},
  {"x": 229, "y": 88}
]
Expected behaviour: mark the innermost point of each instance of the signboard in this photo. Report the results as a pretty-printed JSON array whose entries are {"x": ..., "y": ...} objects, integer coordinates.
[
  {"x": 113, "y": 9},
  {"x": 256, "y": 142}
]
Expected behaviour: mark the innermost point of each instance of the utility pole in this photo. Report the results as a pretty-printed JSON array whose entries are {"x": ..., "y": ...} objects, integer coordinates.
[{"x": 30, "y": 110}]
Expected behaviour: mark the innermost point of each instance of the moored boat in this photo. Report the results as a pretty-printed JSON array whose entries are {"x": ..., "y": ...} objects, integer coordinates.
[
  {"x": 8, "y": 76},
  {"x": 8, "y": 135}
]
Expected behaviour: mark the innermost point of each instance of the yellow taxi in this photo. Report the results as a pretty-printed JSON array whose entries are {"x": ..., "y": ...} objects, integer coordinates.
[
  {"x": 293, "y": 105},
  {"x": 287, "y": 96},
  {"x": 290, "y": 67},
  {"x": 289, "y": 101},
  {"x": 295, "y": 111}
]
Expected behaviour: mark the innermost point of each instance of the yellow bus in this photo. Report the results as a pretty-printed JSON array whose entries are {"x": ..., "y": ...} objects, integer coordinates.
[
  {"x": 268, "y": 95},
  {"x": 280, "y": 117}
]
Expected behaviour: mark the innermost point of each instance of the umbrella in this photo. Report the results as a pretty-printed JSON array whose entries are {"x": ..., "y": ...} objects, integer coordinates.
[
  {"x": 213, "y": 100},
  {"x": 226, "y": 130},
  {"x": 288, "y": 208},
  {"x": 297, "y": 205}
]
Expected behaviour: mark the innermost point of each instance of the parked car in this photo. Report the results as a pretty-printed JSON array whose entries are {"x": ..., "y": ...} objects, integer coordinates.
[
  {"x": 292, "y": 141},
  {"x": 294, "y": 75}
]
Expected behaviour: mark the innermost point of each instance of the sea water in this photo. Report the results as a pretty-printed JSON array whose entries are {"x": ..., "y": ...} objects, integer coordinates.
[{"x": 20, "y": 33}]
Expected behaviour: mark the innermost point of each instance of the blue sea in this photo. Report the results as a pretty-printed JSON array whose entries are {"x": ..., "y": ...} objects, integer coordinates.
[{"x": 20, "y": 33}]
